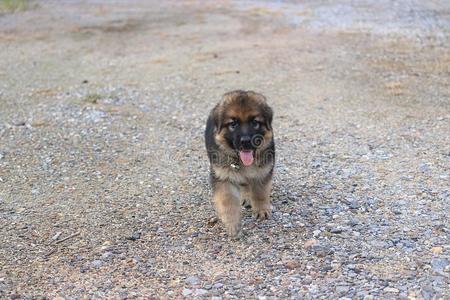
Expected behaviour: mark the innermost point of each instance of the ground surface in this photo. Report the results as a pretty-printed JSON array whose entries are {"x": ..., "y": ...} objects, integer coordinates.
[{"x": 102, "y": 111}]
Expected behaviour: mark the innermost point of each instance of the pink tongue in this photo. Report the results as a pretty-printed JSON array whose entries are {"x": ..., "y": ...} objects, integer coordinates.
[{"x": 246, "y": 157}]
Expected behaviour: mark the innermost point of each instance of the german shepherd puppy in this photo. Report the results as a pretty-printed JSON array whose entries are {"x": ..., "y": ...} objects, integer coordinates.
[{"x": 241, "y": 151}]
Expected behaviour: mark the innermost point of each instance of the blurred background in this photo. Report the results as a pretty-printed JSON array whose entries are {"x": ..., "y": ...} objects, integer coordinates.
[{"x": 104, "y": 177}]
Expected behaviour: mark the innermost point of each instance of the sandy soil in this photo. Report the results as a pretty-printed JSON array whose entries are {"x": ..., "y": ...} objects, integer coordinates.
[{"x": 103, "y": 173}]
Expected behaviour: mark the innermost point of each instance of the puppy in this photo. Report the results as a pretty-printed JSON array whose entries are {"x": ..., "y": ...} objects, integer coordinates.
[{"x": 241, "y": 151}]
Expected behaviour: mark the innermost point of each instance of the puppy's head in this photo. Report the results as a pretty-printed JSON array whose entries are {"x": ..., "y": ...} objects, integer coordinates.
[{"x": 243, "y": 124}]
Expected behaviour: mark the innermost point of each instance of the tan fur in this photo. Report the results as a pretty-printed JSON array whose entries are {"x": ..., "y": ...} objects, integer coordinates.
[
  {"x": 267, "y": 137},
  {"x": 237, "y": 187},
  {"x": 235, "y": 183},
  {"x": 228, "y": 206},
  {"x": 220, "y": 139},
  {"x": 260, "y": 199},
  {"x": 244, "y": 176},
  {"x": 231, "y": 108},
  {"x": 240, "y": 112}
]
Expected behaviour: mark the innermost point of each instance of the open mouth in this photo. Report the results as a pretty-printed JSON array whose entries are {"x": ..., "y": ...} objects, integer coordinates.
[{"x": 246, "y": 157}]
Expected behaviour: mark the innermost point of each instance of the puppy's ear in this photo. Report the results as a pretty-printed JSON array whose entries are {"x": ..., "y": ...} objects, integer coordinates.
[
  {"x": 267, "y": 113},
  {"x": 265, "y": 109}
]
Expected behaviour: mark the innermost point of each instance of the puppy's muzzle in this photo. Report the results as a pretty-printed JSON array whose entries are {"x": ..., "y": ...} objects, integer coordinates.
[{"x": 246, "y": 142}]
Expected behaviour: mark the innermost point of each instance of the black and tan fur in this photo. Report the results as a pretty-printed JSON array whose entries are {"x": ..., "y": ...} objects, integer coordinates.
[{"x": 239, "y": 116}]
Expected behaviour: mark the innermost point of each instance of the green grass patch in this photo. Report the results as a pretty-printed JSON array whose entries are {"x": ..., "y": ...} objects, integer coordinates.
[{"x": 14, "y": 5}]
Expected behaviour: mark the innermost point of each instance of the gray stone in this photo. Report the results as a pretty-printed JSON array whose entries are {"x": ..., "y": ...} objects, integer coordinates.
[
  {"x": 192, "y": 280},
  {"x": 391, "y": 290},
  {"x": 336, "y": 230},
  {"x": 342, "y": 289},
  {"x": 439, "y": 264},
  {"x": 200, "y": 292},
  {"x": 135, "y": 236},
  {"x": 217, "y": 285},
  {"x": 97, "y": 263},
  {"x": 186, "y": 292},
  {"x": 321, "y": 251},
  {"x": 424, "y": 168}
]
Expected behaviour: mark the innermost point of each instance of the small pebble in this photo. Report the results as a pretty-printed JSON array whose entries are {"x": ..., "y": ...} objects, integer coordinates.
[
  {"x": 135, "y": 236},
  {"x": 97, "y": 263},
  {"x": 321, "y": 251},
  {"x": 391, "y": 290},
  {"x": 336, "y": 230},
  {"x": 217, "y": 285},
  {"x": 187, "y": 292},
  {"x": 200, "y": 292},
  {"x": 192, "y": 280},
  {"x": 342, "y": 289},
  {"x": 437, "y": 250},
  {"x": 439, "y": 264}
]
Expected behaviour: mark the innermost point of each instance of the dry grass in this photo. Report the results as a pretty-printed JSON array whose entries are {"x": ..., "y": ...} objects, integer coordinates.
[{"x": 14, "y": 5}]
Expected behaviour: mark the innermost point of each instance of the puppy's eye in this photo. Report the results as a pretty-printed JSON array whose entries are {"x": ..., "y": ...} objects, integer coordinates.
[
  {"x": 255, "y": 124},
  {"x": 233, "y": 124}
]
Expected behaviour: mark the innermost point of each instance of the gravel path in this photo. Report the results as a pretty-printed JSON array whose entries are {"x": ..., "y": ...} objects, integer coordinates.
[{"x": 104, "y": 177}]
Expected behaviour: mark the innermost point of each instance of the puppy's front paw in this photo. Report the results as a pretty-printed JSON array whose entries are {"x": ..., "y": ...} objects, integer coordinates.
[
  {"x": 233, "y": 229},
  {"x": 246, "y": 203},
  {"x": 263, "y": 213}
]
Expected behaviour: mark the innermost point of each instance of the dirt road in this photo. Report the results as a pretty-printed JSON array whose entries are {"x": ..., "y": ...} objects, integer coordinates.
[{"x": 103, "y": 173}]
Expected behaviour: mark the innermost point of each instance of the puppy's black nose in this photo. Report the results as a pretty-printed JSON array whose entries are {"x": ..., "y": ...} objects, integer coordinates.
[{"x": 246, "y": 142}]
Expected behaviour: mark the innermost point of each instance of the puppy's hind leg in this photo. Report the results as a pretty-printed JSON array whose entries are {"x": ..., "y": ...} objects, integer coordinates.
[{"x": 227, "y": 201}]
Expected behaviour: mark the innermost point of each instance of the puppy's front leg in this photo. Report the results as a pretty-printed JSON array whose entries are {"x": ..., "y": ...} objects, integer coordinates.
[
  {"x": 227, "y": 202},
  {"x": 260, "y": 198}
]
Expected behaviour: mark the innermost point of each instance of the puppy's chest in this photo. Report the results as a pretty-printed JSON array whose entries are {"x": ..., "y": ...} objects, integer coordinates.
[{"x": 241, "y": 175}]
